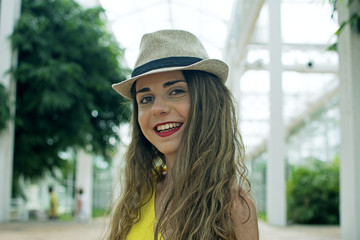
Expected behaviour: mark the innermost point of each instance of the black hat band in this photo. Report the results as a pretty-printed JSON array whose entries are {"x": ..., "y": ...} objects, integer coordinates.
[{"x": 164, "y": 63}]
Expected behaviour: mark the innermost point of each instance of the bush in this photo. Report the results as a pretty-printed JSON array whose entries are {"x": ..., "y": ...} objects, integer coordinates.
[
  {"x": 313, "y": 193},
  {"x": 99, "y": 212}
]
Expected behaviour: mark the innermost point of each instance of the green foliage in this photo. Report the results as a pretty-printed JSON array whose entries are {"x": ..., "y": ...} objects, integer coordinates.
[
  {"x": 313, "y": 193},
  {"x": 4, "y": 107},
  {"x": 100, "y": 212},
  {"x": 66, "y": 217},
  {"x": 67, "y": 63},
  {"x": 353, "y": 21},
  {"x": 262, "y": 216}
]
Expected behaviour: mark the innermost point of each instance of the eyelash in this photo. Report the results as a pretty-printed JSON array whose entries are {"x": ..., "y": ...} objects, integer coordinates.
[
  {"x": 145, "y": 98},
  {"x": 177, "y": 91}
]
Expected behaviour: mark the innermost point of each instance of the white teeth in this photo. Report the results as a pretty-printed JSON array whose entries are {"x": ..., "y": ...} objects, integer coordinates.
[{"x": 167, "y": 126}]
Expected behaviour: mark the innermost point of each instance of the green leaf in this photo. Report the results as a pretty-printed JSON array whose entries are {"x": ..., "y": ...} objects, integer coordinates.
[
  {"x": 340, "y": 29},
  {"x": 355, "y": 22}
]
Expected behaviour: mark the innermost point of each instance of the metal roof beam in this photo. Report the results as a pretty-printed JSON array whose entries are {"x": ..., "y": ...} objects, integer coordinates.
[{"x": 241, "y": 27}]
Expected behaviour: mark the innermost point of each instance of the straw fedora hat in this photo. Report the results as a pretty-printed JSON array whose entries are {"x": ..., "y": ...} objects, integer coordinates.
[{"x": 171, "y": 50}]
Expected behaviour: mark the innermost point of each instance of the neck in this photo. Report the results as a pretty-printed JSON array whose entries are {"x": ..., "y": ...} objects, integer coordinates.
[{"x": 169, "y": 161}]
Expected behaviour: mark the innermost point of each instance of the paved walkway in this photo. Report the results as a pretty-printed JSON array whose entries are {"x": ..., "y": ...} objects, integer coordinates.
[
  {"x": 93, "y": 231},
  {"x": 299, "y": 232}
]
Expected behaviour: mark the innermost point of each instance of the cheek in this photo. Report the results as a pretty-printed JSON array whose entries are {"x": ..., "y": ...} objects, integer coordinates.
[
  {"x": 185, "y": 110},
  {"x": 143, "y": 121}
]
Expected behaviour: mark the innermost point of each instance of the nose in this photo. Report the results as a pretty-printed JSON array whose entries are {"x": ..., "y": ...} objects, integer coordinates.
[{"x": 160, "y": 107}]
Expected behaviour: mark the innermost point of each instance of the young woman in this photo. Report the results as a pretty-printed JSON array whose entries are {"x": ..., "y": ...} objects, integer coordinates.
[{"x": 185, "y": 177}]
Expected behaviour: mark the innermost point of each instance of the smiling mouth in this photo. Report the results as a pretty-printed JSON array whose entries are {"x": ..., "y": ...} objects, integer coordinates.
[{"x": 167, "y": 127}]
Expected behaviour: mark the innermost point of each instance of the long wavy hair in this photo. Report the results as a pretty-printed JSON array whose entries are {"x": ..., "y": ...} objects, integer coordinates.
[{"x": 208, "y": 171}]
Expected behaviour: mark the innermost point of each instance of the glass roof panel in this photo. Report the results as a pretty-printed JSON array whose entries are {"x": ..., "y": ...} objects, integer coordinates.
[
  {"x": 307, "y": 29},
  {"x": 130, "y": 19},
  {"x": 309, "y": 69},
  {"x": 307, "y": 22}
]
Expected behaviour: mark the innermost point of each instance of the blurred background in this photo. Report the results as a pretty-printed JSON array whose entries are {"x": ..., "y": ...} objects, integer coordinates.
[{"x": 291, "y": 61}]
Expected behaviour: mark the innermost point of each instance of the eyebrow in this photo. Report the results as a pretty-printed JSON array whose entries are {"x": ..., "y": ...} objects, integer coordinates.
[{"x": 167, "y": 84}]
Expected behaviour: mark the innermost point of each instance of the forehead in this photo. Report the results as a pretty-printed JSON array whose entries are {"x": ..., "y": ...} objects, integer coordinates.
[{"x": 158, "y": 78}]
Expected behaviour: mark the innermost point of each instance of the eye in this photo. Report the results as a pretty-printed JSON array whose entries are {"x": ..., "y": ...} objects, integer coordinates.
[
  {"x": 177, "y": 91},
  {"x": 146, "y": 99}
]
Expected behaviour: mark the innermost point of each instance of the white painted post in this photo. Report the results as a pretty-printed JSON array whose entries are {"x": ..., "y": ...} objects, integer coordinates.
[
  {"x": 275, "y": 189},
  {"x": 349, "y": 70},
  {"x": 9, "y": 13},
  {"x": 84, "y": 179},
  {"x": 118, "y": 163},
  {"x": 233, "y": 83}
]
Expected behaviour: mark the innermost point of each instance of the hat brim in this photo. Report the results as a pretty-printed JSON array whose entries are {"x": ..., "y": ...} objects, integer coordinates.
[{"x": 214, "y": 66}]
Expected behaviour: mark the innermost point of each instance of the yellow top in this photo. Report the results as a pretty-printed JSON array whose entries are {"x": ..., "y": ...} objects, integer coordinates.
[
  {"x": 53, "y": 205},
  {"x": 144, "y": 229}
]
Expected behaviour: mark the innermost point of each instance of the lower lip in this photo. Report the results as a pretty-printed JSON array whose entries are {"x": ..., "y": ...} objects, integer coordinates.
[{"x": 168, "y": 133}]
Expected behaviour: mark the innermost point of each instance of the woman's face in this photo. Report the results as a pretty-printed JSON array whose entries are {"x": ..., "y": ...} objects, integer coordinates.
[{"x": 163, "y": 106}]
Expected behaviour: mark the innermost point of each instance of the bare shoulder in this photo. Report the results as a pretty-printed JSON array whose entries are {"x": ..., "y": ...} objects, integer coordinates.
[{"x": 244, "y": 217}]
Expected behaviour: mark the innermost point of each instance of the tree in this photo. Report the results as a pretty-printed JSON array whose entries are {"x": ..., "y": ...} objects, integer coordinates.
[
  {"x": 67, "y": 63},
  {"x": 4, "y": 108}
]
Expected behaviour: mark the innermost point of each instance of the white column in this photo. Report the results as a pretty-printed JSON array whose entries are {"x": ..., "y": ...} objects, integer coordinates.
[
  {"x": 118, "y": 162},
  {"x": 349, "y": 70},
  {"x": 9, "y": 13},
  {"x": 84, "y": 178},
  {"x": 275, "y": 189},
  {"x": 233, "y": 83}
]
